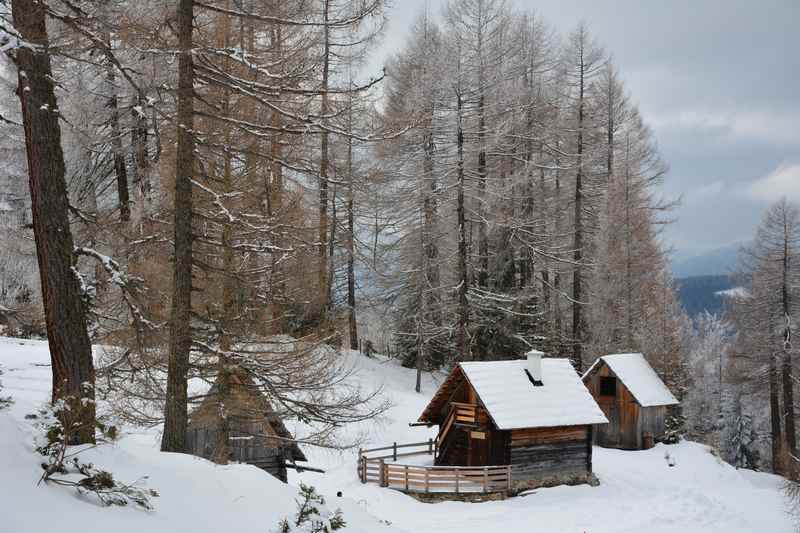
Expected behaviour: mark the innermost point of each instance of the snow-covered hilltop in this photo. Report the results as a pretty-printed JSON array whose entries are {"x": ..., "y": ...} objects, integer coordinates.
[{"x": 638, "y": 490}]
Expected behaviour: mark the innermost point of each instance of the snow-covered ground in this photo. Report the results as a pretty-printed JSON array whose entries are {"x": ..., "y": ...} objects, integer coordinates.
[{"x": 638, "y": 491}]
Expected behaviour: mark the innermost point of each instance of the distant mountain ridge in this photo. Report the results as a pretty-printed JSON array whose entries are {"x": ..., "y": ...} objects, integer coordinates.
[{"x": 720, "y": 261}]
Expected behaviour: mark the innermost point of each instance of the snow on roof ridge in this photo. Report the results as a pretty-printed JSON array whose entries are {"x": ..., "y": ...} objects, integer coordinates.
[{"x": 639, "y": 378}]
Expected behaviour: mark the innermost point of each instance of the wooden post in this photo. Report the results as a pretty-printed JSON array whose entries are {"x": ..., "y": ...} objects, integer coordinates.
[
  {"x": 456, "y": 471},
  {"x": 508, "y": 478},
  {"x": 394, "y": 452},
  {"x": 427, "y": 482},
  {"x": 383, "y": 477},
  {"x": 430, "y": 446},
  {"x": 406, "y": 476},
  {"x": 485, "y": 479}
]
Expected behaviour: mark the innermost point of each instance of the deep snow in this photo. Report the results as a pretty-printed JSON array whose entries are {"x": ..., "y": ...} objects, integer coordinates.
[{"x": 638, "y": 491}]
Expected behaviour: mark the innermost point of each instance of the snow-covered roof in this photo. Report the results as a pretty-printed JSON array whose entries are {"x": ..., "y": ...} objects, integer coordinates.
[
  {"x": 638, "y": 377},
  {"x": 513, "y": 402}
]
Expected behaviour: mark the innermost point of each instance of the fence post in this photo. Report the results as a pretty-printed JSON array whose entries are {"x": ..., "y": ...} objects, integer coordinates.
[
  {"x": 427, "y": 483},
  {"x": 430, "y": 446},
  {"x": 384, "y": 482},
  {"x": 485, "y": 479},
  {"x": 456, "y": 471},
  {"x": 394, "y": 452},
  {"x": 406, "y": 476},
  {"x": 508, "y": 478}
]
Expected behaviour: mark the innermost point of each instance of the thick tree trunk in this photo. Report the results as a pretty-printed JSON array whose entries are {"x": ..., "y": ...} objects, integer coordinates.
[
  {"x": 175, "y": 411},
  {"x": 70, "y": 348}
]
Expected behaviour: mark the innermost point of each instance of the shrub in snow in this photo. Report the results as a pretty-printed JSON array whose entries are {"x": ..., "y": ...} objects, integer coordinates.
[
  {"x": 5, "y": 401},
  {"x": 64, "y": 467},
  {"x": 312, "y": 515}
]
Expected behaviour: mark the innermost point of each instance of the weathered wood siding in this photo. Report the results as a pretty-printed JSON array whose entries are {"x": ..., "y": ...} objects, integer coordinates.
[
  {"x": 244, "y": 446},
  {"x": 653, "y": 420},
  {"x": 549, "y": 456},
  {"x": 623, "y": 412}
]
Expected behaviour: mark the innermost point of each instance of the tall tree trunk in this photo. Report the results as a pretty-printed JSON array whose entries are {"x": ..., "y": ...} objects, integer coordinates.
[
  {"x": 351, "y": 236},
  {"x": 324, "y": 291},
  {"x": 628, "y": 251},
  {"x": 775, "y": 417},
  {"x": 577, "y": 271},
  {"x": 788, "y": 380},
  {"x": 141, "y": 158},
  {"x": 462, "y": 329},
  {"x": 175, "y": 409},
  {"x": 557, "y": 319},
  {"x": 120, "y": 169},
  {"x": 483, "y": 238},
  {"x": 65, "y": 318}
]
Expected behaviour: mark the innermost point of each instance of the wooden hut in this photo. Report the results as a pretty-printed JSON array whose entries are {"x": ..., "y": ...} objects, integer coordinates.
[
  {"x": 533, "y": 414},
  {"x": 251, "y": 432},
  {"x": 633, "y": 398}
]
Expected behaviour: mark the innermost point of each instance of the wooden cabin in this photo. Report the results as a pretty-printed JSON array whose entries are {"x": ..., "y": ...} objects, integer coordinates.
[
  {"x": 533, "y": 414},
  {"x": 253, "y": 432},
  {"x": 633, "y": 398}
]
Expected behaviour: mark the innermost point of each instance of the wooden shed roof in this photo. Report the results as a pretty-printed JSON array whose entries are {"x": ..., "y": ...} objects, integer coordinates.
[{"x": 633, "y": 370}]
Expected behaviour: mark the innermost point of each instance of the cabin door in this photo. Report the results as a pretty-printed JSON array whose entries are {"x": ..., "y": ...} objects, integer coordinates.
[{"x": 478, "y": 448}]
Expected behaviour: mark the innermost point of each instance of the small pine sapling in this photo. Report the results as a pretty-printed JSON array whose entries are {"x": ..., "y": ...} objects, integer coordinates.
[{"x": 312, "y": 516}]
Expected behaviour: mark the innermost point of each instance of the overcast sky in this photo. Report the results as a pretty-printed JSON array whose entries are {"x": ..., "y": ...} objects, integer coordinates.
[{"x": 719, "y": 83}]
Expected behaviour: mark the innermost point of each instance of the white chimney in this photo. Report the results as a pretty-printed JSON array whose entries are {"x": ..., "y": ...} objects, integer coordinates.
[{"x": 534, "y": 365}]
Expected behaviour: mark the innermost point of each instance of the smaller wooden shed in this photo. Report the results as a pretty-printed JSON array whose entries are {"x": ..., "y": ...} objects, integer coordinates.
[
  {"x": 251, "y": 432},
  {"x": 533, "y": 415},
  {"x": 633, "y": 398}
]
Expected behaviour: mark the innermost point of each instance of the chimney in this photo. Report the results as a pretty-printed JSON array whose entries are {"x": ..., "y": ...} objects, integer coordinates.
[{"x": 534, "y": 366}]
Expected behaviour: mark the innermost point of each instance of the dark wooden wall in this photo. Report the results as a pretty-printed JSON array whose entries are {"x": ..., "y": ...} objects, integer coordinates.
[{"x": 550, "y": 455}]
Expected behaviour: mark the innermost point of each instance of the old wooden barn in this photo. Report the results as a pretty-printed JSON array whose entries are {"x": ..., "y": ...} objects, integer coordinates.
[
  {"x": 533, "y": 414},
  {"x": 633, "y": 398},
  {"x": 252, "y": 432}
]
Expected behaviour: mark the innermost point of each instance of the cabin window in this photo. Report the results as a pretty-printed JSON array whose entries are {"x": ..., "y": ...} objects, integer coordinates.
[{"x": 608, "y": 386}]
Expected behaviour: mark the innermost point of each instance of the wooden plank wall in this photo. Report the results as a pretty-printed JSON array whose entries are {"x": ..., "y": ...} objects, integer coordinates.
[
  {"x": 201, "y": 441},
  {"x": 559, "y": 452},
  {"x": 622, "y": 411}
]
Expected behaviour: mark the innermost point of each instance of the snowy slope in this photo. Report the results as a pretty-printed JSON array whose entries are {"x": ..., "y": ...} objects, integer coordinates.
[
  {"x": 196, "y": 496},
  {"x": 638, "y": 491}
]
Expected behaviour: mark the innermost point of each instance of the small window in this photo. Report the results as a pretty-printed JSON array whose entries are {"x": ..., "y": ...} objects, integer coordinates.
[{"x": 608, "y": 386}]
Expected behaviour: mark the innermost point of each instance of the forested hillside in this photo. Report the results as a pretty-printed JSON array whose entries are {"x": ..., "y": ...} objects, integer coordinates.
[{"x": 699, "y": 294}]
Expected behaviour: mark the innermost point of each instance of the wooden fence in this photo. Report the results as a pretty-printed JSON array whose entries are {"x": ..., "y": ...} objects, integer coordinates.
[{"x": 374, "y": 468}]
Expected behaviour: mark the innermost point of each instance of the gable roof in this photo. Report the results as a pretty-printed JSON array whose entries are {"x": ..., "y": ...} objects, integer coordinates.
[
  {"x": 638, "y": 377},
  {"x": 244, "y": 402},
  {"x": 513, "y": 402}
]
